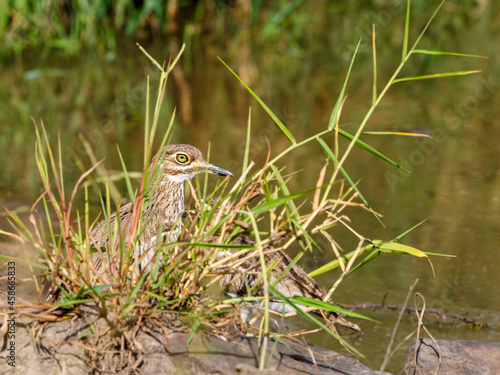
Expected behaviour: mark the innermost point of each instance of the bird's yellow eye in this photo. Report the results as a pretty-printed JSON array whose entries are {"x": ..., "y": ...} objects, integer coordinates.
[{"x": 182, "y": 158}]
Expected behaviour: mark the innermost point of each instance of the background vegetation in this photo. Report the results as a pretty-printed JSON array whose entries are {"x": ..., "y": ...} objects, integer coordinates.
[{"x": 73, "y": 26}]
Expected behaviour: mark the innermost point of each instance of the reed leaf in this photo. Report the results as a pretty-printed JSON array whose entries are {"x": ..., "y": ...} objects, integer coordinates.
[
  {"x": 271, "y": 114},
  {"x": 328, "y": 306},
  {"x": 437, "y": 75},
  {"x": 340, "y": 99},
  {"x": 443, "y": 53}
]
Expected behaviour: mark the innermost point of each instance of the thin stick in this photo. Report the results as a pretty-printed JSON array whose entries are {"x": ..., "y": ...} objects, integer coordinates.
[
  {"x": 420, "y": 316},
  {"x": 391, "y": 341}
]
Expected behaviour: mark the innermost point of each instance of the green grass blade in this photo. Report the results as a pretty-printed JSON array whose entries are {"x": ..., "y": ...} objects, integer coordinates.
[
  {"x": 177, "y": 58},
  {"x": 291, "y": 208},
  {"x": 246, "y": 155},
  {"x": 194, "y": 329},
  {"x": 398, "y": 248},
  {"x": 406, "y": 35},
  {"x": 96, "y": 289},
  {"x": 284, "y": 188},
  {"x": 24, "y": 261},
  {"x": 375, "y": 253},
  {"x": 150, "y": 58},
  {"x": 72, "y": 303},
  {"x": 128, "y": 305},
  {"x": 370, "y": 149},
  {"x": 437, "y": 75},
  {"x": 147, "y": 129},
  {"x": 443, "y": 53},
  {"x": 275, "y": 118},
  {"x": 374, "y": 48},
  {"x": 440, "y": 255},
  {"x": 288, "y": 267},
  {"x": 313, "y": 320},
  {"x": 215, "y": 245},
  {"x": 328, "y": 306},
  {"x": 60, "y": 164},
  {"x": 126, "y": 176},
  {"x": 340, "y": 99},
  {"x": 330, "y": 154},
  {"x": 425, "y": 28},
  {"x": 335, "y": 263},
  {"x": 400, "y": 134},
  {"x": 398, "y": 238},
  {"x": 278, "y": 339},
  {"x": 278, "y": 202},
  {"x": 297, "y": 145}
]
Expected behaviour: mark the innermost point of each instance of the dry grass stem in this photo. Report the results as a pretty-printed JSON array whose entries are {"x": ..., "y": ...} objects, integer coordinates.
[{"x": 388, "y": 352}]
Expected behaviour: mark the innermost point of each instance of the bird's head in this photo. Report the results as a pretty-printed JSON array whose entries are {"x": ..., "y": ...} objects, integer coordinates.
[{"x": 181, "y": 162}]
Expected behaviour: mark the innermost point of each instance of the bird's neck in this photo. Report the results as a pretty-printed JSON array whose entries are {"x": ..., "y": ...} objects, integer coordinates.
[{"x": 166, "y": 201}]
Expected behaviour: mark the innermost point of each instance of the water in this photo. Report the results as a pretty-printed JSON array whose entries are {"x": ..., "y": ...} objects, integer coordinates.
[{"x": 455, "y": 185}]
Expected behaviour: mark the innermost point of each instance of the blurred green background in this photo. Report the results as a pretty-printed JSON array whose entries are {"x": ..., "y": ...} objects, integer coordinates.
[{"x": 75, "y": 65}]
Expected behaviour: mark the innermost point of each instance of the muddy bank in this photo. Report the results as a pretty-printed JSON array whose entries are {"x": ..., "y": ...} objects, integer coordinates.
[{"x": 86, "y": 344}]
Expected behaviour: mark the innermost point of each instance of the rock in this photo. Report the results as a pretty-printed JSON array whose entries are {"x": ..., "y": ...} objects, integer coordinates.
[
  {"x": 457, "y": 357},
  {"x": 87, "y": 345}
]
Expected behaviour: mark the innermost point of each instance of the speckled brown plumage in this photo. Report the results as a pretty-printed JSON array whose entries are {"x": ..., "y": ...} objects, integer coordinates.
[
  {"x": 296, "y": 282},
  {"x": 164, "y": 203}
]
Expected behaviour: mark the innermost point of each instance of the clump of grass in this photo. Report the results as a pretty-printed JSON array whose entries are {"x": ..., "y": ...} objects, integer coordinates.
[{"x": 206, "y": 249}]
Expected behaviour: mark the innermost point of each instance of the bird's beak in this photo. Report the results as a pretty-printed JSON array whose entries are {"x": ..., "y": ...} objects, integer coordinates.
[{"x": 218, "y": 170}]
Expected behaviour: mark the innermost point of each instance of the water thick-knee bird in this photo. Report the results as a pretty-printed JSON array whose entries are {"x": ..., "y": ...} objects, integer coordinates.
[{"x": 164, "y": 204}]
